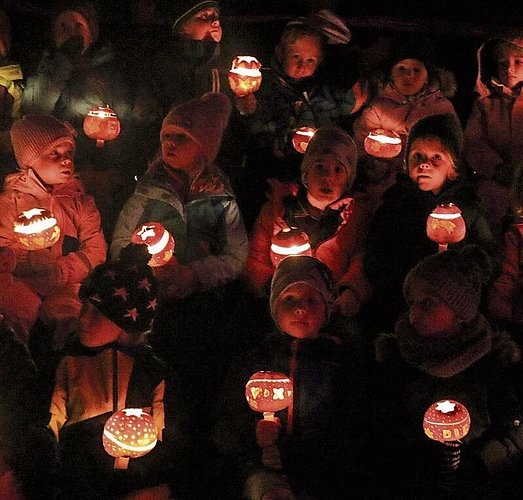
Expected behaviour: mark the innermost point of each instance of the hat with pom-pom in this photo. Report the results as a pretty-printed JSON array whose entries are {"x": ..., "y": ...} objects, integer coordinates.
[
  {"x": 457, "y": 278},
  {"x": 203, "y": 119},
  {"x": 125, "y": 291}
]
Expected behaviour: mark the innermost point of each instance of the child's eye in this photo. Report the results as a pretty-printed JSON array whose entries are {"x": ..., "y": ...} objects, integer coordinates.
[
  {"x": 437, "y": 157},
  {"x": 339, "y": 170}
]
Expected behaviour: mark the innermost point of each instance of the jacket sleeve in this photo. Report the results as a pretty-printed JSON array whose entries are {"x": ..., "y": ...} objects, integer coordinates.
[{"x": 58, "y": 407}]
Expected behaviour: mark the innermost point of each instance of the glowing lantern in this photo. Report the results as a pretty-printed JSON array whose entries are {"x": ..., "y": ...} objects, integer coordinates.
[
  {"x": 129, "y": 433},
  {"x": 301, "y": 138},
  {"x": 101, "y": 124},
  {"x": 36, "y": 229},
  {"x": 446, "y": 225},
  {"x": 382, "y": 143},
  {"x": 245, "y": 76},
  {"x": 289, "y": 241},
  {"x": 159, "y": 241}
]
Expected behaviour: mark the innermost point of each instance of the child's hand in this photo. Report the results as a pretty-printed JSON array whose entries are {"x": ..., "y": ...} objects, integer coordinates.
[
  {"x": 246, "y": 104},
  {"x": 347, "y": 304},
  {"x": 278, "y": 494},
  {"x": 267, "y": 432}
]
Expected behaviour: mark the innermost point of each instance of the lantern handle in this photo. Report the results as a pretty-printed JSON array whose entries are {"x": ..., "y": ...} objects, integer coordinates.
[{"x": 115, "y": 380}]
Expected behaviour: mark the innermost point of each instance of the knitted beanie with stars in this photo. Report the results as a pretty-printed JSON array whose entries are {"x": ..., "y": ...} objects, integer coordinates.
[{"x": 125, "y": 291}]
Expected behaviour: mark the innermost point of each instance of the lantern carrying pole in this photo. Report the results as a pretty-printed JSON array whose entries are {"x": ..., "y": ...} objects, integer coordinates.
[{"x": 119, "y": 462}]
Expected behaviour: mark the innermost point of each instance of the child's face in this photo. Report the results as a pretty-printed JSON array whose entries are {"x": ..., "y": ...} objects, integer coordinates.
[
  {"x": 326, "y": 179},
  {"x": 430, "y": 164},
  {"x": 70, "y": 24},
  {"x": 204, "y": 25},
  {"x": 180, "y": 152},
  {"x": 56, "y": 166},
  {"x": 429, "y": 315},
  {"x": 300, "y": 311},
  {"x": 301, "y": 58},
  {"x": 409, "y": 76},
  {"x": 510, "y": 67}
]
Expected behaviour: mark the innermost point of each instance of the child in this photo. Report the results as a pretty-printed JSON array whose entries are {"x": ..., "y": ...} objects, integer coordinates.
[
  {"x": 47, "y": 281},
  {"x": 314, "y": 435},
  {"x": 119, "y": 302},
  {"x": 492, "y": 146},
  {"x": 397, "y": 239},
  {"x": 444, "y": 348}
]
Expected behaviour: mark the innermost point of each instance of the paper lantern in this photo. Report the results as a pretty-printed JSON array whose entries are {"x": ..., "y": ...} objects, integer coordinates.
[
  {"x": 36, "y": 229},
  {"x": 289, "y": 241},
  {"x": 268, "y": 392},
  {"x": 101, "y": 124},
  {"x": 159, "y": 241},
  {"x": 301, "y": 138},
  {"x": 446, "y": 225},
  {"x": 245, "y": 76},
  {"x": 382, "y": 143},
  {"x": 129, "y": 433},
  {"x": 446, "y": 420}
]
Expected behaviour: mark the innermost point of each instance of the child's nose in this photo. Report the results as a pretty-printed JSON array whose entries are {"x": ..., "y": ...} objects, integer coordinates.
[{"x": 300, "y": 310}]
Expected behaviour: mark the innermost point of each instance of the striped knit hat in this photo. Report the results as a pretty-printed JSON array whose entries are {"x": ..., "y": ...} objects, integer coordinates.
[{"x": 35, "y": 135}]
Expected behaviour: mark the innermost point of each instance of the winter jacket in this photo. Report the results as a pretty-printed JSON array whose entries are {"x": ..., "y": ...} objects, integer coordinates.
[
  {"x": 481, "y": 369},
  {"x": 337, "y": 236}
]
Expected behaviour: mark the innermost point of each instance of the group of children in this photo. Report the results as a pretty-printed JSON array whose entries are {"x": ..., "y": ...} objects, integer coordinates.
[{"x": 372, "y": 327}]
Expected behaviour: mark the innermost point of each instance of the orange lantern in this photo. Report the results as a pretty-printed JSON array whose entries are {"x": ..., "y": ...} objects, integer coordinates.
[
  {"x": 446, "y": 225},
  {"x": 159, "y": 241},
  {"x": 245, "y": 76},
  {"x": 129, "y": 433},
  {"x": 301, "y": 138},
  {"x": 289, "y": 241},
  {"x": 36, "y": 229},
  {"x": 382, "y": 143},
  {"x": 101, "y": 124},
  {"x": 268, "y": 392}
]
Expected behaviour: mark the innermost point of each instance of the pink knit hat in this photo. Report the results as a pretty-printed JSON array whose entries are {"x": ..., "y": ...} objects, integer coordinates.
[
  {"x": 35, "y": 135},
  {"x": 203, "y": 119}
]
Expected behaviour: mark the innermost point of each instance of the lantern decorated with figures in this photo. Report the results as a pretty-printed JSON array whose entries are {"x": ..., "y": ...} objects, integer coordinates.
[
  {"x": 129, "y": 433},
  {"x": 160, "y": 243},
  {"x": 101, "y": 124},
  {"x": 289, "y": 241},
  {"x": 36, "y": 229},
  {"x": 245, "y": 75},
  {"x": 301, "y": 138},
  {"x": 382, "y": 143},
  {"x": 446, "y": 225}
]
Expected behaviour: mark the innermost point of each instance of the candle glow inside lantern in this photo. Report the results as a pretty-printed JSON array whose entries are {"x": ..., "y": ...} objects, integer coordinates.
[
  {"x": 101, "y": 124},
  {"x": 36, "y": 229},
  {"x": 446, "y": 225},
  {"x": 382, "y": 143},
  {"x": 301, "y": 138},
  {"x": 160, "y": 243},
  {"x": 289, "y": 241},
  {"x": 129, "y": 433},
  {"x": 245, "y": 76}
]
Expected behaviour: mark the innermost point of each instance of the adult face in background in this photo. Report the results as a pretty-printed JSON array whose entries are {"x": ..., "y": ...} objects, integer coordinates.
[
  {"x": 70, "y": 24},
  {"x": 204, "y": 25}
]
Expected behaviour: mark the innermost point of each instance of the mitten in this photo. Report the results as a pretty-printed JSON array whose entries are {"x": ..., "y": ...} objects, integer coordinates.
[
  {"x": 347, "y": 304},
  {"x": 268, "y": 432},
  {"x": 246, "y": 104}
]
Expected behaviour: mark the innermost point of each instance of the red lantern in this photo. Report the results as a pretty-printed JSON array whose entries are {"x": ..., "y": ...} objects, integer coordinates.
[
  {"x": 101, "y": 124},
  {"x": 129, "y": 433},
  {"x": 382, "y": 143},
  {"x": 159, "y": 241},
  {"x": 245, "y": 76},
  {"x": 301, "y": 138},
  {"x": 268, "y": 392},
  {"x": 289, "y": 241},
  {"x": 446, "y": 225},
  {"x": 36, "y": 229}
]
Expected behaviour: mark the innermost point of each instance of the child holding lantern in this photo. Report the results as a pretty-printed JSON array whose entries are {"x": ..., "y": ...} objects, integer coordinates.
[
  {"x": 318, "y": 437},
  {"x": 443, "y": 348}
]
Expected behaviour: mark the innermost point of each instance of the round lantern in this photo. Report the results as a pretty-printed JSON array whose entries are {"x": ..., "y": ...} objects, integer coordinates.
[
  {"x": 245, "y": 76},
  {"x": 301, "y": 138},
  {"x": 101, "y": 124},
  {"x": 268, "y": 392},
  {"x": 446, "y": 225},
  {"x": 36, "y": 229},
  {"x": 159, "y": 241},
  {"x": 129, "y": 433},
  {"x": 382, "y": 143},
  {"x": 289, "y": 241}
]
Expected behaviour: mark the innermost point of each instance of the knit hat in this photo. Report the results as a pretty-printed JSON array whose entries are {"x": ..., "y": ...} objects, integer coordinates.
[
  {"x": 203, "y": 119},
  {"x": 327, "y": 24},
  {"x": 303, "y": 269},
  {"x": 446, "y": 127},
  {"x": 86, "y": 9},
  {"x": 331, "y": 141},
  {"x": 457, "y": 278},
  {"x": 184, "y": 10},
  {"x": 35, "y": 135},
  {"x": 125, "y": 291},
  {"x": 417, "y": 47}
]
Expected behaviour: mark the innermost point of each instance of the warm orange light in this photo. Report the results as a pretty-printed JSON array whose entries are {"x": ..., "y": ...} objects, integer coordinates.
[
  {"x": 36, "y": 229},
  {"x": 268, "y": 392},
  {"x": 446, "y": 420},
  {"x": 446, "y": 225},
  {"x": 382, "y": 143},
  {"x": 160, "y": 243},
  {"x": 245, "y": 76},
  {"x": 289, "y": 241},
  {"x": 301, "y": 138},
  {"x": 101, "y": 124}
]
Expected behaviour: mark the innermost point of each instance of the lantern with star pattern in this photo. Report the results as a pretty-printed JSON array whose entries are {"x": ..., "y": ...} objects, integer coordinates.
[
  {"x": 445, "y": 225},
  {"x": 101, "y": 124},
  {"x": 36, "y": 229},
  {"x": 159, "y": 241},
  {"x": 245, "y": 76}
]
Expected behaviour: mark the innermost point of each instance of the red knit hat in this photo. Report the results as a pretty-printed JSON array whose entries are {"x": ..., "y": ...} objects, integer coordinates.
[{"x": 35, "y": 135}]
